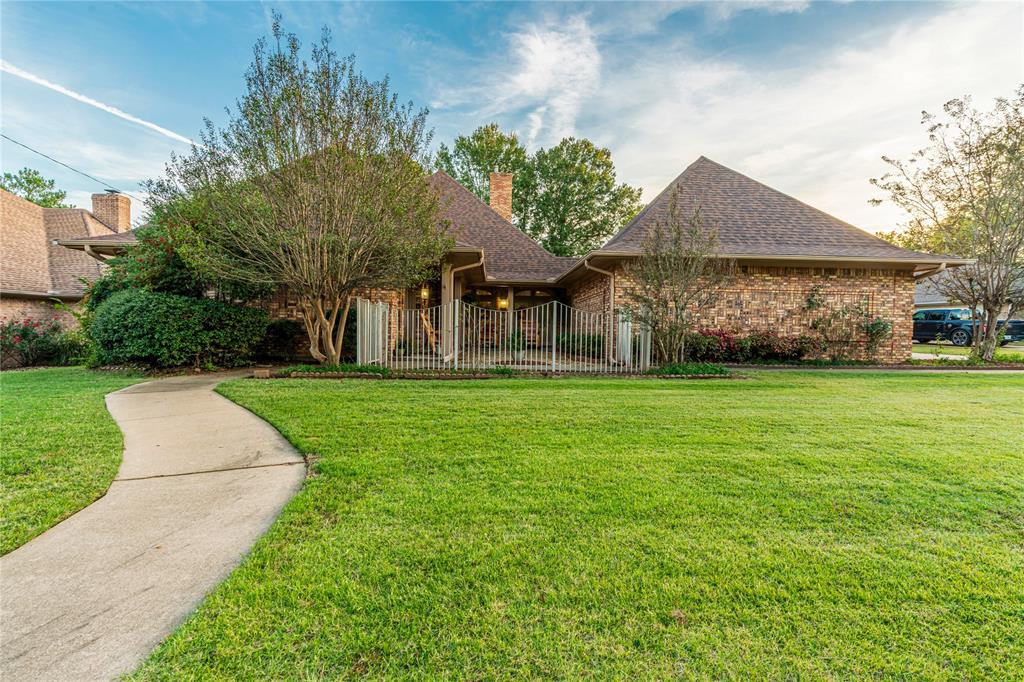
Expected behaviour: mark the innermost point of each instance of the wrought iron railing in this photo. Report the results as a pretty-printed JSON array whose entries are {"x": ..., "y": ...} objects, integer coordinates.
[{"x": 552, "y": 337}]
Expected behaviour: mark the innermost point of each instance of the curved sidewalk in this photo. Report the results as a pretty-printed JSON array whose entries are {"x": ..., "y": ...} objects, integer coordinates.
[{"x": 201, "y": 480}]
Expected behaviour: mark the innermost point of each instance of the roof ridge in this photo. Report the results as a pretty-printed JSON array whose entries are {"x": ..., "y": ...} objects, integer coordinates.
[
  {"x": 628, "y": 227},
  {"x": 500, "y": 217},
  {"x": 801, "y": 202}
]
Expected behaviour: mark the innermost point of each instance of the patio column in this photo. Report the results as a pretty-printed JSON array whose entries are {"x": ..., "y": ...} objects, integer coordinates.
[
  {"x": 511, "y": 303},
  {"x": 447, "y": 309}
]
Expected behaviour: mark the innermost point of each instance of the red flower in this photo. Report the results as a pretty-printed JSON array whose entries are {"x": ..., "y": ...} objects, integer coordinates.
[
  {"x": 35, "y": 324},
  {"x": 17, "y": 339}
]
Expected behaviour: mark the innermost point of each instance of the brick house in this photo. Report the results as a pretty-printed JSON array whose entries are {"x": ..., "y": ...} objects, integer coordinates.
[
  {"x": 783, "y": 249},
  {"x": 34, "y": 270}
]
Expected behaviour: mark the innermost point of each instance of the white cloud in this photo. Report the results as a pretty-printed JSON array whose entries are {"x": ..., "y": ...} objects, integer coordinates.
[
  {"x": 85, "y": 99},
  {"x": 725, "y": 10},
  {"x": 557, "y": 68},
  {"x": 815, "y": 130},
  {"x": 546, "y": 73}
]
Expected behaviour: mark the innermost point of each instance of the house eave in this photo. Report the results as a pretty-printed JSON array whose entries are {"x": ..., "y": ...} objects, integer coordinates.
[
  {"x": 41, "y": 295},
  {"x": 916, "y": 264}
]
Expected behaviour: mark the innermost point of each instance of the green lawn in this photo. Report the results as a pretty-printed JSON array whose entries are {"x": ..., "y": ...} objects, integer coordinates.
[
  {"x": 60, "y": 447},
  {"x": 789, "y": 526}
]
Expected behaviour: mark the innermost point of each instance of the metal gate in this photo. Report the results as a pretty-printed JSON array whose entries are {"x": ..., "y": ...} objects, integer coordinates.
[{"x": 552, "y": 337}]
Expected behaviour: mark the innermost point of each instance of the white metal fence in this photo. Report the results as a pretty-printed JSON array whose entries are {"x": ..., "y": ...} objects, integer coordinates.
[{"x": 552, "y": 337}]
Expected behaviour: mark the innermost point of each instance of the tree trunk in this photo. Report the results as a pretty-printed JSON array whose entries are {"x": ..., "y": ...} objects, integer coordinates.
[
  {"x": 312, "y": 324},
  {"x": 991, "y": 338},
  {"x": 339, "y": 337}
]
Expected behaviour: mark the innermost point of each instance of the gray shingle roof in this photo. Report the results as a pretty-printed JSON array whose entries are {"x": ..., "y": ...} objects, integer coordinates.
[
  {"x": 31, "y": 261},
  {"x": 509, "y": 254},
  {"x": 753, "y": 219}
]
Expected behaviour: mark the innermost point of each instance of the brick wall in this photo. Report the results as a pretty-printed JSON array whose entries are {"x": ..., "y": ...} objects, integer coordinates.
[
  {"x": 36, "y": 309},
  {"x": 770, "y": 298},
  {"x": 113, "y": 210},
  {"x": 284, "y": 305},
  {"x": 501, "y": 194}
]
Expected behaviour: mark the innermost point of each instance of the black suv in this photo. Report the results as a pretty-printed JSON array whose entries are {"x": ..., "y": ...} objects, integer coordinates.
[
  {"x": 954, "y": 325},
  {"x": 946, "y": 324}
]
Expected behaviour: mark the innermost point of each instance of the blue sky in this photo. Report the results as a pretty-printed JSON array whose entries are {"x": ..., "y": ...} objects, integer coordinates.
[{"x": 803, "y": 96}]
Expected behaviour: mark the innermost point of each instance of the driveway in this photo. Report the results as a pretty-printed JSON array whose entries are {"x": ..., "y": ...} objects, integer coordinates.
[{"x": 202, "y": 479}]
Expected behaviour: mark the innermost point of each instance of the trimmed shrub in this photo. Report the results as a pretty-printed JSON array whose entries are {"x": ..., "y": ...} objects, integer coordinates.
[
  {"x": 711, "y": 345},
  {"x": 284, "y": 342},
  {"x": 719, "y": 345},
  {"x": 587, "y": 345},
  {"x": 167, "y": 330},
  {"x": 28, "y": 342}
]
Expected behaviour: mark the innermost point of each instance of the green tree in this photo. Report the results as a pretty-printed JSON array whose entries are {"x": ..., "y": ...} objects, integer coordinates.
[
  {"x": 28, "y": 183},
  {"x": 473, "y": 158},
  {"x": 573, "y": 203},
  {"x": 964, "y": 193},
  {"x": 316, "y": 183},
  {"x": 565, "y": 197}
]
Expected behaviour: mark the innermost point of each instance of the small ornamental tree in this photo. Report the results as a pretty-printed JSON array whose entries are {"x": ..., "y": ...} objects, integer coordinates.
[
  {"x": 678, "y": 277},
  {"x": 316, "y": 183},
  {"x": 964, "y": 194}
]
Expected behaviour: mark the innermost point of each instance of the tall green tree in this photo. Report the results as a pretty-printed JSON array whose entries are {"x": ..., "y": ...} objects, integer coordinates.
[
  {"x": 316, "y": 183},
  {"x": 28, "y": 183},
  {"x": 964, "y": 193},
  {"x": 566, "y": 197},
  {"x": 573, "y": 202},
  {"x": 472, "y": 158}
]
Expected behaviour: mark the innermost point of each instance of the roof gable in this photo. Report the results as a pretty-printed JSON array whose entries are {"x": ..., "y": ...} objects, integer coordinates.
[
  {"x": 31, "y": 262},
  {"x": 753, "y": 219},
  {"x": 509, "y": 254}
]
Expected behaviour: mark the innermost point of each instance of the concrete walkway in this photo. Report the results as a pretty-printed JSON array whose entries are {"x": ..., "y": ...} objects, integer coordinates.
[{"x": 201, "y": 480}]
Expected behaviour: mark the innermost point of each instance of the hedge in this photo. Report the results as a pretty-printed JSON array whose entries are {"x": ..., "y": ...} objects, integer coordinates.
[{"x": 167, "y": 330}]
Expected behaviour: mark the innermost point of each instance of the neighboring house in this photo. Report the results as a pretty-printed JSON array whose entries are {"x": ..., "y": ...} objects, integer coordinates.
[
  {"x": 783, "y": 249},
  {"x": 928, "y": 297},
  {"x": 34, "y": 271}
]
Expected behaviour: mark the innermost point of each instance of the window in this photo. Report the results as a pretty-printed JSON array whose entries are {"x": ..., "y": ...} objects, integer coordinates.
[
  {"x": 936, "y": 315},
  {"x": 919, "y": 315},
  {"x": 960, "y": 314}
]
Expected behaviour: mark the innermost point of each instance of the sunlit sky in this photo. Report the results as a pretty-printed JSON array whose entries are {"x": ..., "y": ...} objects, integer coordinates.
[{"x": 805, "y": 97}]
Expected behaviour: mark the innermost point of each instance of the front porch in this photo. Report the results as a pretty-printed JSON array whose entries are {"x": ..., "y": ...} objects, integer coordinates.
[{"x": 550, "y": 336}]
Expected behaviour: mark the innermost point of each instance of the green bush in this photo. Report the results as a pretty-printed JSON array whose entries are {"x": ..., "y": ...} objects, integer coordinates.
[
  {"x": 167, "y": 330},
  {"x": 283, "y": 342},
  {"x": 29, "y": 341},
  {"x": 587, "y": 345}
]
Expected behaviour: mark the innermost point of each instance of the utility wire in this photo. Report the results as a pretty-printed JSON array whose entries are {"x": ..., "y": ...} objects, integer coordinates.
[{"x": 71, "y": 168}]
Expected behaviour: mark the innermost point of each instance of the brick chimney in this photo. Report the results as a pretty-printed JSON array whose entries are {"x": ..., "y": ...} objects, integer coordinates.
[
  {"x": 114, "y": 210},
  {"x": 501, "y": 194}
]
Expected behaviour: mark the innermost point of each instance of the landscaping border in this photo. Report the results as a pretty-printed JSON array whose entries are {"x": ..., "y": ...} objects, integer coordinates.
[{"x": 442, "y": 376}]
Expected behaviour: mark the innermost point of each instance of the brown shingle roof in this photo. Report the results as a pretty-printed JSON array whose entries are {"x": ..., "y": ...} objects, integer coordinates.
[
  {"x": 29, "y": 260},
  {"x": 509, "y": 255},
  {"x": 753, "y": 219}
]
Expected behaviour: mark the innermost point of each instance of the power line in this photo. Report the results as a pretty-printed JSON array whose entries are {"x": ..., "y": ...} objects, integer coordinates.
[{"x": 71, "y": 168}]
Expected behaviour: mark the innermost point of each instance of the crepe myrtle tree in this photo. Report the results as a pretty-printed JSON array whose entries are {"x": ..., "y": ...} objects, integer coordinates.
[
  {"x": 964, "y": 193},
  {"x": 316, "y": 183},
  {"x": 677, "y": 277}
]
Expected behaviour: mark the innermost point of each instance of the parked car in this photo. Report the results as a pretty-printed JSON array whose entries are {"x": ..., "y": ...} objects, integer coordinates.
[
  {"x": 1014, "y": 331},
  {"x": 954, "y": 325},
  {"x": 945, "y": 324}
]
